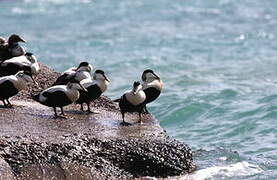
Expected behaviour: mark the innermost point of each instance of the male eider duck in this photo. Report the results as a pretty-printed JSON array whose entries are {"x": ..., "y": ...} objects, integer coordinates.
[
  {"x": 11, "y": 85},
  {"x": 83, "y": 71},
  {"x": 60, "y": 96},
  {"x": 95, "y": 87},
  {"x": 132, "y": 101},
  {"x": 152, "y": 86},
  {"x": 11, "y": 48},
  {"x": 15, "y": 64}
]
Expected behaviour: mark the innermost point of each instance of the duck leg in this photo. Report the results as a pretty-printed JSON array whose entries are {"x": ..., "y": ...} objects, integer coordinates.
[
  {"x": 145, "y": 110},
  {"x": 88, "y": 111},
  {"x": 9, "y": 103},
  {"x": 55, "y": 111},
  {"x": 140, "y": 118},
  {"x": 123, "y": 123},
  {"x": 82, "y": 107},
  {"x": 5, "y": 105},
  {"x": 62, "y": 113}
]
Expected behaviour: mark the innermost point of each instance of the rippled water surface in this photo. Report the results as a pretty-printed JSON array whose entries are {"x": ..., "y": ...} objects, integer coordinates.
[{"x": 218, "y": 61}]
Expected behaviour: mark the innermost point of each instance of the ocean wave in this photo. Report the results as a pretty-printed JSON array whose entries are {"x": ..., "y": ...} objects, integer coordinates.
[{"x": 240, "y": 170}]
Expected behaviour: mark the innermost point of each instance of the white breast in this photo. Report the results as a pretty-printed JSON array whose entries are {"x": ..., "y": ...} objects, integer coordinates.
[
  {"x": 20, "y": 84},
  {"x": 88, "y": 82},
  {"x": 35, "y": 68},
  {"x": 135, "y": 99},
  {"x": 102, "y": 84},
  {"x": 73, "y": 94}
]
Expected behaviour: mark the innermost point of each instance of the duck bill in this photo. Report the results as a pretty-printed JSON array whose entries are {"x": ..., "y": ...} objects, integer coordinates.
[
  {"x": 156, "y": 76},
  {"x": 83, "y": 88},
  {"x": 107, "y": 79},
  {"x": 21, "y": 40},
  {"x": 136, "y": 89}
]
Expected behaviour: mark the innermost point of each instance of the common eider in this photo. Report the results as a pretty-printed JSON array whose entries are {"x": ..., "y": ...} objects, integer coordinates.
[
  {"x": 11, "y": 48},
  {"x": 60, "y": 96},
  {"x": 11, "y": 85},
  {"x": 152, "y": 86},
  {"x": 83, "y": 71},
  {"x": 132, "y": 101},
  {"x": 95, "y": 87},
  {"x": 15, "y": 64}
]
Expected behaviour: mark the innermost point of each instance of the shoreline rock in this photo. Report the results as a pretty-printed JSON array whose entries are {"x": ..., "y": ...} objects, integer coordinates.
[{"x": 93, "y": 146}]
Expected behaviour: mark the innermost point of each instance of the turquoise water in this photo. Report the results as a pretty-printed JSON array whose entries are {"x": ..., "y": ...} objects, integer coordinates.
[{"x": 218, "y": 61}]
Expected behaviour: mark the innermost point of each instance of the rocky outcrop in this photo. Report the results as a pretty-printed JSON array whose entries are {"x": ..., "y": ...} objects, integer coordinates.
[{"x": 34, "y": 145}]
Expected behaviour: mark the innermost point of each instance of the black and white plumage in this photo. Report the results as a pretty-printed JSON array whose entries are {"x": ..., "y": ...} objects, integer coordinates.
[
  {"x": 152, "y": 86},
  {"x": 11, "y": 48},
  {"x": 95, "y": 87},
  {"x": 132, "y": 101},
  {"x": 15, "y": 64},
  {"x": 11, "y": 85},
  {"x": 60, "y": 96},
  {"x": 83, "y": 71}
]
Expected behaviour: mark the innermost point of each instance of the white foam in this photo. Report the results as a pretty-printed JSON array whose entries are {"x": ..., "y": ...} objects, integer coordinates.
[{"x": 238, "y": 169}]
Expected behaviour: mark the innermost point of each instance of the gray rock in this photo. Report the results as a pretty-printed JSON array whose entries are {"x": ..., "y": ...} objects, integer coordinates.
[{"x": 5, "y": 171}]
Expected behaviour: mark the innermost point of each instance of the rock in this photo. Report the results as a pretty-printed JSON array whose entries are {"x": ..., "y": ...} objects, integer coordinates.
[
  {"x": 94, "y": 146},
  {"x": 5, "y": 171}
]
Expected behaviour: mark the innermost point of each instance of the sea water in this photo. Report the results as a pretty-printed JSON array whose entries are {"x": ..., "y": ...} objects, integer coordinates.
[{"x": 218, "y": 61}]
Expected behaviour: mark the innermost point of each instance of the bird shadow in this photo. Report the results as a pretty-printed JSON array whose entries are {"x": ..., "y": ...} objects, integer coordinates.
[
  {"x": 42, "y": 116},
  {"x": 75, "y": 112},
  {"x": 78, "y": 112}
]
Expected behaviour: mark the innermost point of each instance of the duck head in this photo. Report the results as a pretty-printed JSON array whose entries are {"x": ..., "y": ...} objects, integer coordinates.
[
  {"x": 84, "y": 66},
  {"x": 31, "y": 57},
  {"x": 14, "y": 39},
  {"x": 26, "y": 76},
  {"x": 149, "y": 75},
  {"x": 136, "y": 87},
  {"x": 100, "y": 75}
]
